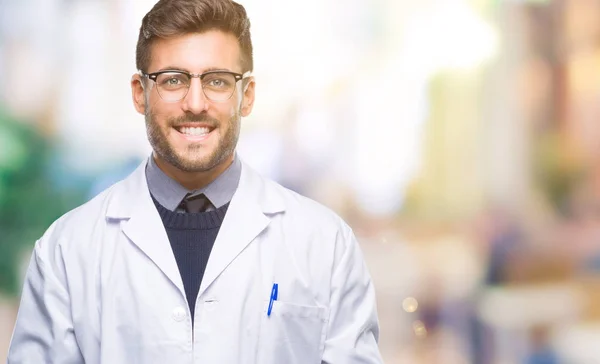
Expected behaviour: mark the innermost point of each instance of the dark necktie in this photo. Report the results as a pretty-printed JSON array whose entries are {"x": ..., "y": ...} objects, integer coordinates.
[{"x": 198, "y": 203}]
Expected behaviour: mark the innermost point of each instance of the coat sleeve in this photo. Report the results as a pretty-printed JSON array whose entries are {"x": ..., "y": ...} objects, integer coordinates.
[
  {"x": 353, "y": 328},
  {"x": 44, "y": 329}
]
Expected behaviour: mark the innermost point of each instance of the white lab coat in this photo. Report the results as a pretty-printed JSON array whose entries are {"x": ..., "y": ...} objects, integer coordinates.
[{"x": 103, "y": 286}]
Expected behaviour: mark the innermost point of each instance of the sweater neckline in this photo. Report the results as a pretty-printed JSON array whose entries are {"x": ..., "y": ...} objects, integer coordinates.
[{"x": 191, "y": 221}]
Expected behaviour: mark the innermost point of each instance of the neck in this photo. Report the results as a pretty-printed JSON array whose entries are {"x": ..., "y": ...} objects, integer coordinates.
[{"x": 193, "y": 180}]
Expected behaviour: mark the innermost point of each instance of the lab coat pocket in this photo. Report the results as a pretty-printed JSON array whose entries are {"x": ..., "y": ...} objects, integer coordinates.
[{"x": 293, "y": 334}]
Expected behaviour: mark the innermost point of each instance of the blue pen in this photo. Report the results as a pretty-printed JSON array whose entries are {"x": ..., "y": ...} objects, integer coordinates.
[{"x": 273, "y": 298}]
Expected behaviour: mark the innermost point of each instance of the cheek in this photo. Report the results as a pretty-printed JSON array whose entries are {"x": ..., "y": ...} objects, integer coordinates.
[
  {"x": 233, "y": 112},
  {"x": 154, "y": 103},
  {"x": 224, "y": 112},
  {"x": 236, "y": 107},
  {"x": 160, "y": 112}
]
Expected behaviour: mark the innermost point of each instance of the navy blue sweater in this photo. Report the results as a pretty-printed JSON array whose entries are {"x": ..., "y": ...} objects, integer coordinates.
[{"x": 192, "y": 236}]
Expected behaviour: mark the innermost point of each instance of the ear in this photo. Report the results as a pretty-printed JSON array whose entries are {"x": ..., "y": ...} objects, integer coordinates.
[
  {"x": 248, "y": 97},
  {"x": 137, "y": 93}
]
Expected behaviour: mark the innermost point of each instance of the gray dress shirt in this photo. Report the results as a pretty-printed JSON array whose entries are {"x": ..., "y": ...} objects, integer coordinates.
[{"x": 169, "y": 193}]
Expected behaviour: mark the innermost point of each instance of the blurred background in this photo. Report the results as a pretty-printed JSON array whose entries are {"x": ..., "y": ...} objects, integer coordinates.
[{"x": 459, "y": 138}]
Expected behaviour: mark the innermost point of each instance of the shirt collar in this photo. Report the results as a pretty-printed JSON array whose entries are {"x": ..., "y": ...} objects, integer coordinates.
[{"x": 169, "y": 192}]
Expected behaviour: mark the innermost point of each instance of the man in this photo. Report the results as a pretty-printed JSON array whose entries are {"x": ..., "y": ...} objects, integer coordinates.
[{"x": 195, "y": 258}]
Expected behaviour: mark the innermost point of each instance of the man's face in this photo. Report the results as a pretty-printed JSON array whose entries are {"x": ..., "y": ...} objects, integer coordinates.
[{"x": 195, "y": 134}]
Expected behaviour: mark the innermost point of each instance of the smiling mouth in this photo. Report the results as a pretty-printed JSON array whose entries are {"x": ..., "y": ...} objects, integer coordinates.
[{"x": 194, "y": 131}]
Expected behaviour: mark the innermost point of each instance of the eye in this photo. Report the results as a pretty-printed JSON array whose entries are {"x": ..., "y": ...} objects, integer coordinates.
[
  {"x": 218, "y": 81},
  {"x": 171, "y": 80}
]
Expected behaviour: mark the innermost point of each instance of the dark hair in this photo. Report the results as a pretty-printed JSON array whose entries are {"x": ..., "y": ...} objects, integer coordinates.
[{"x": 171, "y": 18}]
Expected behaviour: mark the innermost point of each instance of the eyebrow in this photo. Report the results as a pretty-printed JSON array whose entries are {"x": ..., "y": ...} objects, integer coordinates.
[{"x": 175, "y": 68}]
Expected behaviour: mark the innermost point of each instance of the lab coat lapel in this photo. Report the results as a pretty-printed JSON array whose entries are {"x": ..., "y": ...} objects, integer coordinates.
[
  {"x": 245, "y": 220},
  {"x": 145, "y": 228}
]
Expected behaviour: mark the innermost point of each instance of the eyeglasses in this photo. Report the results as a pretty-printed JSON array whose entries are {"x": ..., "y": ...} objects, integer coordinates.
[{"x": 173, "y": 85}]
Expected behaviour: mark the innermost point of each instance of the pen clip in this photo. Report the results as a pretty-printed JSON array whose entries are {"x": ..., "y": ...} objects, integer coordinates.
[{"x": 274, "y": 291}]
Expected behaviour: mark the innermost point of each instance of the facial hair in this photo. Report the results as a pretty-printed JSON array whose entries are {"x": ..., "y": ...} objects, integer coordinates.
[{"x": 194, "y": 158}]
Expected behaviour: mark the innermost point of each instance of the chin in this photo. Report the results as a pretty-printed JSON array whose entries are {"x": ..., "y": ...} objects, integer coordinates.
[{"x": 197, "y": 164}]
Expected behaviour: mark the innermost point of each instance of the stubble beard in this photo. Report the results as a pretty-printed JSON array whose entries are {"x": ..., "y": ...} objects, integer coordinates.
[{"x": 194, "y": 158}]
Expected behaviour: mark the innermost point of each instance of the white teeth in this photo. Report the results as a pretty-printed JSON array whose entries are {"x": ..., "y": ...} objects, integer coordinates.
[{"x": 195, "y": 131}]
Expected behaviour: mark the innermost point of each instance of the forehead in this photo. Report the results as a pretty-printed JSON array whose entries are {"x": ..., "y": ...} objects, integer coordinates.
[{"x": 197, "y": 52}]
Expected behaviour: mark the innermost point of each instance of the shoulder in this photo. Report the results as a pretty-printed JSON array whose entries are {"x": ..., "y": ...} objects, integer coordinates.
[
  {"x": 302, "y": 208},
  {"x": 76, "y": 226},
  {"x": 293, "y": 206},
  {"x": 312, "y": 220}
]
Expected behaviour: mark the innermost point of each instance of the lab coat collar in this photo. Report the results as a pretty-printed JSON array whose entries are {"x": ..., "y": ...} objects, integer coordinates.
[{"x": 131, "y": 193}]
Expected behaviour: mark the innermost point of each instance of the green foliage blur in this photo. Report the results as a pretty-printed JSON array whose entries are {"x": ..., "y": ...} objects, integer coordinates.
[{"x": 29, "y": 198}]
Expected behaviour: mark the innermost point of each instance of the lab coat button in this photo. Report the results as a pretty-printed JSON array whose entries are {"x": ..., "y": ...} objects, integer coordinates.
[{"x": 179, "y": 314}]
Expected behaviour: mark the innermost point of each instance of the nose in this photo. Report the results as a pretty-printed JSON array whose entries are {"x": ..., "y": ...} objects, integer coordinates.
[{"x": 195, "y": 101}]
